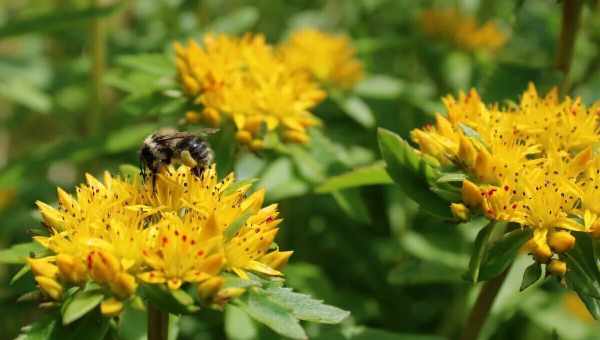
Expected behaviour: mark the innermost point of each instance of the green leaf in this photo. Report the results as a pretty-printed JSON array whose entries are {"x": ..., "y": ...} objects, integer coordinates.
[
  {"x": 92, "y": 326},
  {"x": 414, "y": 272},
  {"x": 304, "y": 307},
  {"x": 412, "y": 173},
  {"x": 223, "y": 145},
  {"x": 364, "y": 333},
  {"x": 132, "y": 323},
  {"x": 238, "y": 184},
  {"x": 583, "y": 275},
  {"x": 18, "y": 253},
  {"x": 531, "y": 275},
  {"x": 175, "y": 302},
  {"x": 24, "y": 270},
  {"x": 357, "y": 109},
  {"x": 157, "y": 64},
  {"x": 39, "y": 330},
  {"x": 502, "y": 253},
  {"x": 479, "y": 248},
  {"x": 235, "y": 226},
  {"x": 128, "y": 138},
  {"x": 352, "y": 204},
  {"x": 508, "y": 80},
  {"x": 130, "y": 173},
  {"x": 451, "y": 177},
  {"x": 240, "y": 21},
  {"x": 369, "y": 175},
  {"x": 81, "y": 303},
  {"x": 380, "y": 87},
  {"x": 24, "y": 92},
  {"x": 58, "y": 19},
  {"x": 271, "y": 314},
  {"x": 238, "y": 325}
]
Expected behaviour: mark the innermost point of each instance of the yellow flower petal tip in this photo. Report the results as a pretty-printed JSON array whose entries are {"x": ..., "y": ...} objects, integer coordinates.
[{"x": 460, "y": 211}]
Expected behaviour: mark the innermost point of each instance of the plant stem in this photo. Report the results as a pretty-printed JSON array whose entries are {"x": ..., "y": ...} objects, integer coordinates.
[
  {"x": 483, "y": 305},
  {"x": 98, "y": 57},
  {"x": 158, "y": 324},
  {"x": 571, "y": 15}
]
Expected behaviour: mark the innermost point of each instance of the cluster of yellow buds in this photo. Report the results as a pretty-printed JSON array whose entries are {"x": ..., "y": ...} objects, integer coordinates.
[
  {"x": 461, "y": 30},
  {"x": 188, "y": 230},
  {"x": 530, "y": 164},
  {"x": 246, "y": 81}
]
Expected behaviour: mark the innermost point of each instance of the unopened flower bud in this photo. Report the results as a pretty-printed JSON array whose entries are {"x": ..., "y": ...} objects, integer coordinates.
[
  {"x": 103, "y": 266},
  {"x": 192, "y": 117},
  {"x": 467, "y": 152},
  {"x": 294, "y": 136},
  {"x": 230, "y": 293},
  {"x": 71, "y": 269},
  {"x": 257, "y": 145},
  {"x": 211, "y": 116},
  {"x": 243, "y": 137},
  {"x": 41, "y": 267},
  {"x": 50, "y": 287},
  {"x": 123, "y": 285},
  {"x": 471, "y": 194},
  {"x": 540, "y": 251},
  {"x": 190, "y": 85},
  {"x": 111, "y": 307},
  {"x": 210, "y": 287},
  {"x": 561, "y": 241},
  {"x": 459, "y": 211},
  {"x": 557, "y": 268}
]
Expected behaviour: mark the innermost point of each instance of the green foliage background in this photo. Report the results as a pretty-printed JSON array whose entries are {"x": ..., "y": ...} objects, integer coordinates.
[{"x": 369, "y": 249}]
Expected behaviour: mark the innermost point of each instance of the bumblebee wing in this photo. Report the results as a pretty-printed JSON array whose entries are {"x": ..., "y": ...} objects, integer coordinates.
[
  {"x": 172, "y": 136},
  {"x": 208, "y": 131}
]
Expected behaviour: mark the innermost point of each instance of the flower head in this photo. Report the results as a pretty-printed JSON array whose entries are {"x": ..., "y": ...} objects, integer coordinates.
[
  {"x": 330, "y": 58},
  {"x": 461, "y": 30},
  {"x": 187, "y": 230},
  {"x": 530, "y": 163},
  {"x": 245, "y": 81}
]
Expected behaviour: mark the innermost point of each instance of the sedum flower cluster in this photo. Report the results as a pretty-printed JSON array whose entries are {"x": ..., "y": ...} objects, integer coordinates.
[
  {"x": 188, "y": 230},
  {"x": 261, "y": 88},
  {"x": 329, "y": 58},
  {"x": 461, "y": 30},
  {"x": 530, "y": 163}
]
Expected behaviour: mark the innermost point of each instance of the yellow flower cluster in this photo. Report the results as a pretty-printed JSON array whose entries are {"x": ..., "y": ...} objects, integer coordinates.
[
  {"x": 188, "y": 229},
  {"x": 244, "y": 79},
  {"x": 329, "y": 58},
  {"x": 531, "y": 163},
  {"x": 461, "y": 30}
]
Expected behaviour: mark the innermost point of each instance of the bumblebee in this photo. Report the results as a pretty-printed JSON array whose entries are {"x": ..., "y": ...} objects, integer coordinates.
[{"x": 167, "y": 146}]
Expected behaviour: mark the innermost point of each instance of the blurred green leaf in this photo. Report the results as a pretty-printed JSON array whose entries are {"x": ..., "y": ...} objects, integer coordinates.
[
  {"x": 58, "y": 19},
  {"x": 423, "y": 248},
  {"x": 352, "y": 204},
  {"x": 25, "y": 93},
  {"x": 369, "y": 175},
  {"x": 18, "y": 253},
  {"x": 508, "y": 80},
  {"x": 502, "y": 253},
  {"x": 379, "y": 86},
  {"x": 364, "y": 333},
  {"x": 39, "y": 330},
  {"x": 531, "y": 275},
  {"x": 79, "y": 304},
  {"x": 156, "y": 64},
  {"x": 271, "y": 314},
  {"x": 356, "y": 108},
  {"x": 411, "y": 173},
  {"x": 128, "y": 138},
  {"x": 92, "y": 326},
  {"x": 238, "y": 325},
  {"x": 24, "y": 270},
  {"x": 237, "y": 22},
  {"x": 418, "y": 272}
]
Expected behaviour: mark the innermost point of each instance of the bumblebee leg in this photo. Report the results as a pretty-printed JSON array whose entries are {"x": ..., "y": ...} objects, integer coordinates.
[{"x": 198, "y": 170}]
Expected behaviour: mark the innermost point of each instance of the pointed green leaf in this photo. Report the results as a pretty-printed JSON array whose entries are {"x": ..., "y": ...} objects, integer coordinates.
[
  {"x": 273, "y": 315},
  {"x": 412, "y": 173},
  {"x": 238, "y": 184},
  {"x": 24, "y": 270},
  {"x": 583, "y": 275},
  {"x": 93, "y": 326},
  {"x": 369, "y": 175},
  {"x": 479, "y": 248},
  {"x": 18, "y": 253},
  {"x": 81, "y": 303},
  {"x": 380, "y": 87},
  {"x": 304, "y": 307},
  {"x": 502, "y": 253},
  {"x": 55, "y": 20},
  {"x": 357, "y": 109},
  {"x": 353, "y": 205},
  {"x": 238, "y": 324},
  {"x": 531, "y": 275}
]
